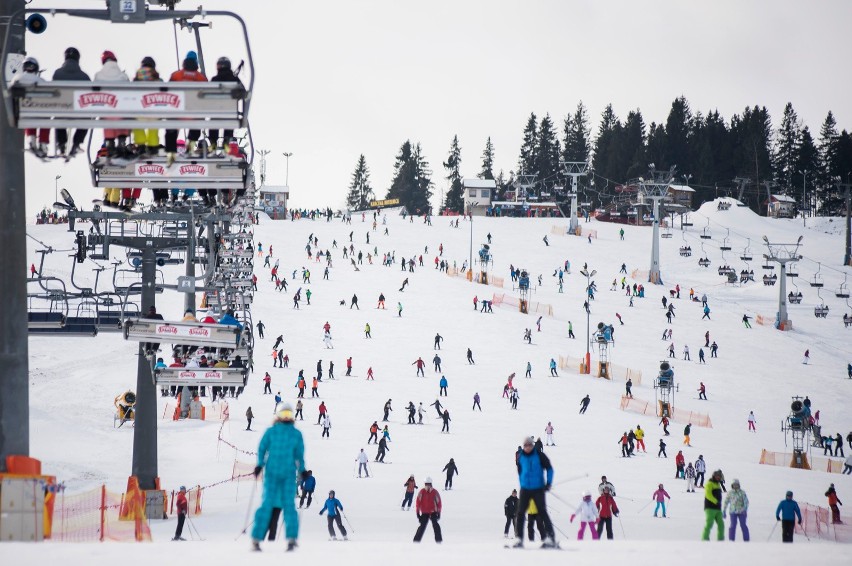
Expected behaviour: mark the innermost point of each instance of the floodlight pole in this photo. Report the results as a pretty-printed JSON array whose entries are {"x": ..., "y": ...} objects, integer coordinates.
[
  {"x": 588, "y": 276},
  {"x": 656, "y": 188},
  {"x": 574, "y": 169},
  {"x": 782, "y": 254},
  {"x": 14, "y": 355},
  {"x": 847, "y": 256}
]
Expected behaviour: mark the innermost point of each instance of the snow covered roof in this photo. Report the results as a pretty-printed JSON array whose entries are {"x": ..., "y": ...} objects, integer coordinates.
[
  {"x": 783, "y": 198},
  {"x": 479, "y": 183},
  {"x": 682, "y": 188}
]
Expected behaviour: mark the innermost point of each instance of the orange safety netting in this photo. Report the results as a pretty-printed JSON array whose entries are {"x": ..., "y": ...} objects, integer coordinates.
[
  {"x": 533, "y": 307},
  {"x": 193, "y": 500},
  {"x": 643, "y": 407},
  {"x": 816, "y": 523},
  {"x": 616, "y": 372},
  {"x": 94, "y": 516},
  {"x": 817, "y": 463},
  {"x": 470, "y": 275}
]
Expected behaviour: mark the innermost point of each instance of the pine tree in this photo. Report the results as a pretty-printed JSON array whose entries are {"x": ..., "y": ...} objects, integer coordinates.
[
  {"x": 806, "y": 168},
  {"x": 752, "y": 156},
  {"x": 632, "y": 148},
  {"x": 677, "y": 136},
  {"x": 547, "y": 154},
  {"x": 576, "y": 131},
  {"x": 487, "y": 160},
  {"x": 786, "y": 147},
  {"x": 826, "y": 190},
  {"x": 455, "y": 197},
  {"x": 411, "y": 183},
  {"x": 604, "y": 157},
  {"x": 529, "y": 147},
  {"x": 360, "y": 191}
]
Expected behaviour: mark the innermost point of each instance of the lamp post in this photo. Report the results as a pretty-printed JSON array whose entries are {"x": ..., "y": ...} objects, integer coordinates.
[
  {"x": 470, "y": 214},
  {"x": 56, "y": 188},
  {"x": 804, "y": 175},
  {"x": 588, "y": 276},
  {"x": 287, "y": 155}
]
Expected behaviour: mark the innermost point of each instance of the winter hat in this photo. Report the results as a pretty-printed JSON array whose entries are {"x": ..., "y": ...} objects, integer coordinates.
[
  {"x": 149, "y": 62},
  {"x": 735, "y": 483},
  {"x": 428, "y": 481},
  {"x": 192, "y": 55},
  {"x": 586, "y": 495},
  {"x": 789, "y": 494},
  {"x": 108, "y": 56},
  {"x": 331, "y": 493},
  {"x": 183, "y": 488}
]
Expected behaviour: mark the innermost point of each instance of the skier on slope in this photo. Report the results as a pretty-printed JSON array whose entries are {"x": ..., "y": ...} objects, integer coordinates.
[
  {"x": 588, "y": 514},
  {"x": 362, "y": 460},
  {"x": 535, "y": 473},
  {"x": 383, "y": 448},
  {"x": 410, "y": 486},
  {"x": 451, "y": 470},
  {"x": 334, "y": 507},
  {"x": 606, "y": 510}
]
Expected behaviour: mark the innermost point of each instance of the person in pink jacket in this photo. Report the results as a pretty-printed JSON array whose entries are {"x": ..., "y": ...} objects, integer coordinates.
[{"x": 660, "y": 497}]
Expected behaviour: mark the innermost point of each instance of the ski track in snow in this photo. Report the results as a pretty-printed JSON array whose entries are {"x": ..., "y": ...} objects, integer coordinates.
[{"x": 74, "y": 381}]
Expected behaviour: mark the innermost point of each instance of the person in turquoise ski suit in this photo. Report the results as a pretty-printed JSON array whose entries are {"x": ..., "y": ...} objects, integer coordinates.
[{"x": 282, "y": 454}]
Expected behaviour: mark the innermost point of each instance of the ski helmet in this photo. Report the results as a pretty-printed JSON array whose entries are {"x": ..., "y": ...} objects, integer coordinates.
[
  {"x": 223, "y": 63},
  {"x": 586, "y": 495},
  {"x": 428, "y": 480},
  {"x": 331, "y": 493},
  {"x": 30, "y": 65},
  {"x": 285, "y": 412},
  {"x": 72, "y": 53}
]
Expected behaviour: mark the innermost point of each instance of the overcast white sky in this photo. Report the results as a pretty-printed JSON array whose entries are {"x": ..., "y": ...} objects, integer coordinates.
[{"x": 340, "y": 78}]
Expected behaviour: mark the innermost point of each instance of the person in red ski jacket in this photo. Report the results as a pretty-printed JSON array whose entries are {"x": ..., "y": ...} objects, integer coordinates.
[
  {"x": 606, "y": 509},
  {"x": 181, "y": 510},
  {"x": 680, "y": 462},
  {"x": 428, "y": 507}
]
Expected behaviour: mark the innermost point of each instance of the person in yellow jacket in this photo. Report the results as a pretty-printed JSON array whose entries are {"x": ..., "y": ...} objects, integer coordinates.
[
  {"x": 533, "y": 521},
  {"x": 147, "y": 141},
  {"x": 640, "y": 439}
]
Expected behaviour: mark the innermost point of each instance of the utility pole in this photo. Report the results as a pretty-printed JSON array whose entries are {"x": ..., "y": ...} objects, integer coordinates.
[
  {"x": 14, "y": 354},
  {"x": 847, "y": 256},
  {"x": 574, "y": 169},
  {"x": 782, "y": 254},
  {"x": 263, "y": 153},
  {"x": 656, "y": 188},
  {"x": 287, "y": 156}
]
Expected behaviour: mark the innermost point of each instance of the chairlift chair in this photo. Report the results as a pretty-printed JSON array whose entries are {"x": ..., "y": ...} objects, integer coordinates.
[
  {"x": 842, "y": 291},
  {"x": 821, "y": 310},
  {"x": 685, "y": 223},
  {"x": 817, "y": 279},
  {"x": 725, "y": 247},
  {"x": 705, "y": 232},
  {"x": 795, "y": 296}
]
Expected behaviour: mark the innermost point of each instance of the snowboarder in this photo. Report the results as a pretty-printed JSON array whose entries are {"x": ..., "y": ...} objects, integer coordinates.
[
  {"x": 281, "y": 452},
  {"x": 588, "y": 516},
  {"x": 787, "y": 512},
  {"x": 333, "y": 506},
  {"x": 451, "y": 470},
  {"x": 737, "y": 500},
  {"x": 535, "y": 473},
  {"x": 660, "y": 497},
  {"x": 428, "y": 508}
]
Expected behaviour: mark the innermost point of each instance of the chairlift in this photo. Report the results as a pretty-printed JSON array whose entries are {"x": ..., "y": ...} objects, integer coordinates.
[
  {"x": 723, "y": 205},
  {"x": 667, "y": 233},
  {"x": 795, "y": 297},
  {"x": 770, "y": 280},
  {"x": 843, "y": 291},
  {"x": 704, "y": 262},
  {"x": 705, "y": 232},
  {"x": 193, "y": 377},
  {"x": 791, "y": 272},
  {"x": 746, "y": 255},
  {"x": 767, "y": 265},
  {"x": 817, "y": 279},
  {"x": 94, "y": 105},
  {"x": 821, "y": 310},
  {"x": 685, "y": 223},
  {"x": 847, "y": 317},
  {"x": 183, "y": 333},
  {"x": 725, "y": 247},
  {"x": 746, "y": 275}
]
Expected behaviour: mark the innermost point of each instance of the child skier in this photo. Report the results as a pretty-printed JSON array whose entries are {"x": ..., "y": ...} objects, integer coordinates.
[{"x": 588, "y": 516}]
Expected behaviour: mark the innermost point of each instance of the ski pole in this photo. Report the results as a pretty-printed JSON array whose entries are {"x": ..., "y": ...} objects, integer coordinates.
[
  {"x": 804, "y": 532},
  {"x": 573, "y": 478},
  {"x": 248, "y": 510},
  {"x": 351, "y": 528},
  {"x": 193, "y": 527},
  {"x": 772, "y": 532},
  {"x": 644, "y": 506},
  {"x": 622, "y": 526}
]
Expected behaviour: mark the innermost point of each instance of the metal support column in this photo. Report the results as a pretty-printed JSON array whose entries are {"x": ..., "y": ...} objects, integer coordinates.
[
  {"x": 145, "y": 431},
  {"x": 14, "y": 384}
]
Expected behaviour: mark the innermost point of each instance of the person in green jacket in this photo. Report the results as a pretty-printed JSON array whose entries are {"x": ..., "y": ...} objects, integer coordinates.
[{"x": 713, "y": 506}]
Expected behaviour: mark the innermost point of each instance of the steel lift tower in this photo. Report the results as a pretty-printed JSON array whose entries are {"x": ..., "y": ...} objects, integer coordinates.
[
  {"x": 655, "y": 188},
  {"x": 782, "y": 254},
  {"x": 574, "y": 169}
]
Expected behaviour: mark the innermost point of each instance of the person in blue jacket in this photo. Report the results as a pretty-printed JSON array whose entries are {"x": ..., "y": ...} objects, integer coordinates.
[
  {"x": 787, "y": 512},
  {"x": 309, "y": 483},
  {"x": 443, "y": 385},
  {"x": 229, "y": 319},
  {"x": 536, "y": 476},
  {"x": 333, "y": 506},
  {"x": 282, "y": 454}
]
